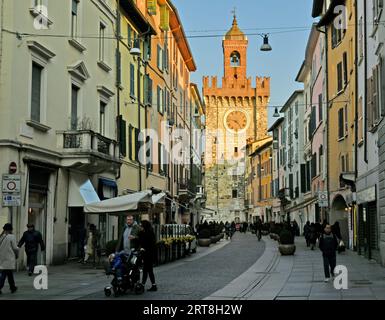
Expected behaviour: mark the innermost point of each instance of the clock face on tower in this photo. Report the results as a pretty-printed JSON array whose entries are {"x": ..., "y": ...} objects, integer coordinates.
[{"x": 236, "y": 121}]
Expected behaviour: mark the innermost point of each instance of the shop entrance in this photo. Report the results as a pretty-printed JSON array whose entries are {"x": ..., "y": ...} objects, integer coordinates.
[{"x": 76, "y": 232}]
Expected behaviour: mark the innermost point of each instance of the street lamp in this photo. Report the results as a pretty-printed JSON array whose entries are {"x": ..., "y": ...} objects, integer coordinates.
[
  {"x": 276, "y": 113},
  {"x": 266, "y": 46}
]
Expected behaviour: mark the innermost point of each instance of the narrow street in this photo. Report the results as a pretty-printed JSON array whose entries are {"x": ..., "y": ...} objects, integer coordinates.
[{"x": 192, "y": 278}]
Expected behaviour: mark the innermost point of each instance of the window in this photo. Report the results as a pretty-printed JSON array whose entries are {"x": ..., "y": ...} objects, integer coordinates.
[
  {"x": 339, "y": 77},
  {"x": 160, "y": 100},
  {"x": 74, "y": 18},
  {"x": 149, "y": 153},
  {"x": 159, "y": 58},
  {"x": 102, "y": 31},
  {"x": 235, "y": 59},
  {"x": 377, "y": 9},
  {"x": 360, "y": 39},
  {"x": 375, "y": 95},
  {"x": 148, "y": 90},
  {"x": 346, "y": 120},
  {"x": 102, "y": 118},
  {"x": 337, "y": 32},
  {"x": 341, "y": 123},
  {"x": 132, "y": 80},
  {"x": 345, "y": 66},
  {"x": 36, "y": 92},
  {"x": 320, "y": 161},
  {"x": 320, "y": 108},
  {"x": 129, "y": 35},
  {"x": 360, "y": 121},
  {"x": 74, "y": 107}
]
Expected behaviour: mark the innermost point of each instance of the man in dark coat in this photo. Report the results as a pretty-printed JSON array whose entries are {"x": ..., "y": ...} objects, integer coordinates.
[
  {"x": 306, "y": 233},
  {"x": 328, "y": 244},
  {"x": 32, "y": 239},
  {"x": 128, "y": 238}
]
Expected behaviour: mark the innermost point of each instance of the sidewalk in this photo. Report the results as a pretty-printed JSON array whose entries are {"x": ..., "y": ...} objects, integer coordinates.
[
  {"x": 300, "y": 277},
  {"x": 77, "y": 281}
]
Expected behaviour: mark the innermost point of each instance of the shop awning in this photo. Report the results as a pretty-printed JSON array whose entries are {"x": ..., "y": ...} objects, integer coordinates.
[
  {"x": 81, "y": 191},
  {"x": 122, "y": 204}
]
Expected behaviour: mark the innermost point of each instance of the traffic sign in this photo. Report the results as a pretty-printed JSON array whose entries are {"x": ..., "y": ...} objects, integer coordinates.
[
  {"x": 11, "y": 200},
  {"x": 11, "y": 183},
  {"x": 323, "y": 200},
  {"x": 12, "y": 167}
]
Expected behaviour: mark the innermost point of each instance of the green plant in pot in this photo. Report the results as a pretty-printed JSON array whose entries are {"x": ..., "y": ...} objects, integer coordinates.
[
  {"x": 204, "y": 238},
  {"x": 286, "y": 243}
]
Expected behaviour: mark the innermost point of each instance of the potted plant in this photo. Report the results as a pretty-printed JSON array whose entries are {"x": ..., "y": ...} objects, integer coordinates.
[
  {"x": 286, "y": 243},
  {"x": 204, "y": 238}
]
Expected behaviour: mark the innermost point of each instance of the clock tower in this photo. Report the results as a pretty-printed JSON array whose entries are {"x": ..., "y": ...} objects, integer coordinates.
[{"x": 236, "y": 115}]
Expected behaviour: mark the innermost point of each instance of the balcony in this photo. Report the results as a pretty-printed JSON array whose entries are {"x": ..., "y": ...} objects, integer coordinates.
[
  {"x": 186, "y": 190},
  {"x": 88, "y": 151}
]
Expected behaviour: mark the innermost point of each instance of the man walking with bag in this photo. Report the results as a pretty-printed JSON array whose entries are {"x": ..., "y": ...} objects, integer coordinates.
[{"x": 32, "y": 239}]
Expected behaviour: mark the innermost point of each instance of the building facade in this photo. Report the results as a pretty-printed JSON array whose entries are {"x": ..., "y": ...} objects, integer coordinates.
[
  {"x": 236, "y": 114},
  {"x": 58, "y": 113},
  {"x": 341, "y": 91}
]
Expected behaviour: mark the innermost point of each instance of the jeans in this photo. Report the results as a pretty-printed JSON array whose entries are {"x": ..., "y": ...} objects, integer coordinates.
[
  {"x": 31, "y": 261},
  {"x": 330, "y": 261},
  {"x": 7, "y": 274}
]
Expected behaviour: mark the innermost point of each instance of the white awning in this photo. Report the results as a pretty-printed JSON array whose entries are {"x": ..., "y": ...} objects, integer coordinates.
[
  {"x": 125, "y": 203},
  {"x": 81, "y": 191},
  {"x": 158, "y": 198}
]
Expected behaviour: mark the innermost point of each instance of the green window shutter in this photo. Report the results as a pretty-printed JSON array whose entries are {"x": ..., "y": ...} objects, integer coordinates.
[
  {"x": 164, "y": 18},
  {"x": 132, "y": 80},
  {"x": 130, "y": 142},
  {"x": 151, "y": 7},
  {"x": 118, "y": 68},
  {"x": 36, "y": 92}
]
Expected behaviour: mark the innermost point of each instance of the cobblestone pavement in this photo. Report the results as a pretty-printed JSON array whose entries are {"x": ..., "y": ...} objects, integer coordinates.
[{"x": 192, "y": 278}]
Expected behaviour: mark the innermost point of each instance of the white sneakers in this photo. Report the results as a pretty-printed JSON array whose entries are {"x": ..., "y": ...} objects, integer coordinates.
[{"x": 327, "y": 280}]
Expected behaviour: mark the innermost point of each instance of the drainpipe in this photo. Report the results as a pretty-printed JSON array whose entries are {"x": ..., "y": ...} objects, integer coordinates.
[
  {"x": 365, "y": 86},
  {"x": 117, "y": 34},
  {"x": 355, "y": 211}
]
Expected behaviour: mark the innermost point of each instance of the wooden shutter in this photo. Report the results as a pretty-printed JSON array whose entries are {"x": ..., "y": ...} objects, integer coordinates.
[
  {"x": 132, "y": 80},
  {"x": 369, "y": 103},
  {"x": 151, "y": 7},
  {"x": 130, "y": 142},
  {"x": 123, "y": 136},
  {"x": 340, "y": 123},
  {"x": 345, "y": 68},
  {"x": 303, "y": 178},
  {"x": 36, "y": 92},
  {"x": 164, "y": 18},
  {"x": 118, "y": 67}
]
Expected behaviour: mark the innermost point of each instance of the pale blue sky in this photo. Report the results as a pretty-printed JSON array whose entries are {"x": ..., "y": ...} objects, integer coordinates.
[{"x": 281, "y": 18}]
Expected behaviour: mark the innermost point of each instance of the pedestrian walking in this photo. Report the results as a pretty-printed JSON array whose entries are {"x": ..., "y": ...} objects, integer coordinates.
[
  {"x": 8, "y": 254},
  {"x": 328, "y": 245},
  {"x": 306, "y": 233},
  {"x": 128, "y": 238},
  {"x": 296, "y": 228},
  {"x": 245, "y": 225},
  {"x": 147, "y": 243},
  {"x": 313, "y": 236},
  {"x": 336, "y": 230},
  {"x": 32, "y": 239},
  {"x": 258, "y": 229},
  {"x": 92, "y": 243}
]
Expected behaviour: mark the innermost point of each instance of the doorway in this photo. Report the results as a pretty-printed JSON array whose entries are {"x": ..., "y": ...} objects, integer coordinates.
[
  {"x": 76, "y": 232},
  {"x": 37, "y": 215}
]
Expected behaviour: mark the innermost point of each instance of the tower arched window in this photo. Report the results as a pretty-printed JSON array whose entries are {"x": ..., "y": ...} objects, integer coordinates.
[{"x": 235, "y": 59}]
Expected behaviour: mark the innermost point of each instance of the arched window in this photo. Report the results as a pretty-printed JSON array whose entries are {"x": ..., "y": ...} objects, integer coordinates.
[{"x": 235, "y": 59}]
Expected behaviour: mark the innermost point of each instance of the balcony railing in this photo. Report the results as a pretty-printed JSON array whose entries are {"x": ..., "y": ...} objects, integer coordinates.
[{"x": 87, "y": 141}]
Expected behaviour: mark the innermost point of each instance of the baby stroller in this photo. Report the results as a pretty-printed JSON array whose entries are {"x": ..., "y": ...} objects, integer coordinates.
[{"x": 125, "y": 269}]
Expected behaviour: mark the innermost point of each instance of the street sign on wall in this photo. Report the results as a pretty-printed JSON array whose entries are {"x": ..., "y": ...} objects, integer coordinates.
[
  {"x": 11, "y": 200},
  {"x": 323, "y": 199},
  {"x": 11, "y": 183}
]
